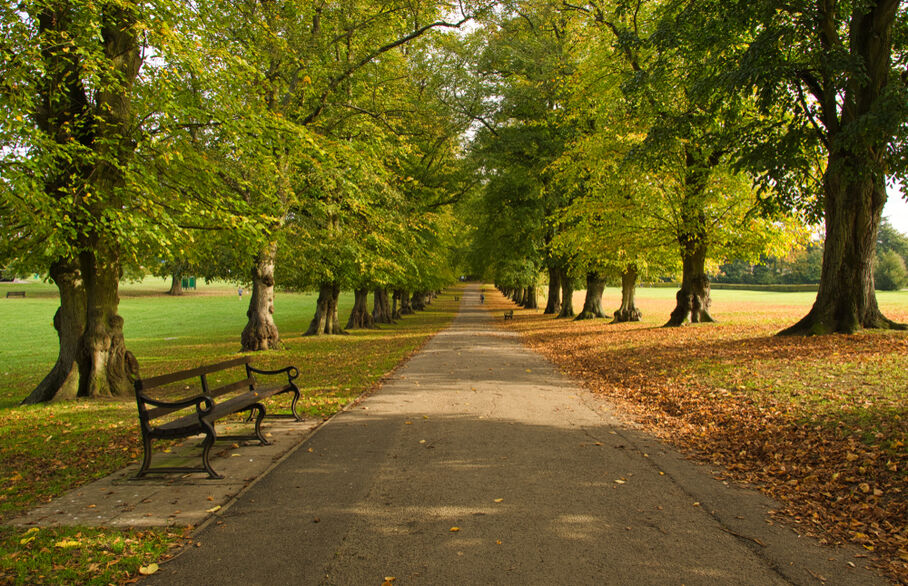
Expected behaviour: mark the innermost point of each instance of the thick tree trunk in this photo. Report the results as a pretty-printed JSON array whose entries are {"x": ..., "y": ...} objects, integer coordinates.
[
  {"x": 567, "y": 296},
  {"x": 325, "y": 321},
  {"x": 531, "y": 301},
  {"x": 553, "y": 303},
  {"x": 104, "y": 372},
  {"x": 405, "y": 307},
  {"x": 360, "y": 318},
  {"x": 692, "y": 300},
  {"x": 628, "y": 310},
  {"x": 381, "y": 307},
  {"x": 592, "y": 304},
  {"x": 62, "y": 382},
  {"x": 846, "y": 299},
  {"x": 176, "y": 284},
  {"x": 261, "y": 332},
  {"x": 418, "y": 301}
]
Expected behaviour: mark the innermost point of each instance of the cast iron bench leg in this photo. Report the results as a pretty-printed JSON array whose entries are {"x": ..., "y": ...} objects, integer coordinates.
[
  {"x": 146, "y": 460},
  {"x": 258, "y": 407},
  {"x": 206, "y": 448}
]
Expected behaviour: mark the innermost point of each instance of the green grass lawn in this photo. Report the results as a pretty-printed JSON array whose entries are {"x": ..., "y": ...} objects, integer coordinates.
[{"x": 46, "y": 450}]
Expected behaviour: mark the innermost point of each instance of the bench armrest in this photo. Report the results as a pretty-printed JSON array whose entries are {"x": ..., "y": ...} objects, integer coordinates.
[{"x": 292, "y": 372}]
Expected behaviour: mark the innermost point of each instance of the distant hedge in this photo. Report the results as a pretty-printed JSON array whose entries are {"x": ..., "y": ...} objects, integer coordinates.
[{"x": 744, "y": 287}]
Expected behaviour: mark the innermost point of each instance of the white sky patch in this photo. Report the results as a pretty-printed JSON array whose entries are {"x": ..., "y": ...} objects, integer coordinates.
[{"x": 896, "y": 210}]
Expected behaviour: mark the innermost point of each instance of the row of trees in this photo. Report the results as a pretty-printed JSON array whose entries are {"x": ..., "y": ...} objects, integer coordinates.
[
  {"x": 328, "y": 146},
  {"x": 626, "y": 137},
  {"x": 304, "y": 145}
]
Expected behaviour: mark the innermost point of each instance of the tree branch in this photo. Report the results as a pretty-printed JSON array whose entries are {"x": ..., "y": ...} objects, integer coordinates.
[{"x": 337, "y": 80}]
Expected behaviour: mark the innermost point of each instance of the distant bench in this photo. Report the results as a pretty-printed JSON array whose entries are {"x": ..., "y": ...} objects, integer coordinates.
[
  {"x": 509, "y": 314},
  {"x": 15, "y": 294},
  {"x": 209, "y": 406}
]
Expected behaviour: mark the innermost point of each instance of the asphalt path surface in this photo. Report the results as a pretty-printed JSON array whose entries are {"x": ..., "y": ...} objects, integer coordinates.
[{"x": 479, "y": 463}]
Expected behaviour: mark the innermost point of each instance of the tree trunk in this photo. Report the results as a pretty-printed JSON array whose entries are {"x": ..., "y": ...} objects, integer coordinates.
[
  {"x": 176, "y": 284},
  {"x": 396, "y": 305},
  {"x": 405, "y": 307},
  {"x": 103, "y": 374},
  {"x": 846, "y": 299},
  {"x": 553, "y": 303},
  {"x": 360, "y": 318},
  {"x": 381, "y": 307},
  {"x": 62, "y": 382},
  {"x": 325, "y": 321},
  {"x": 628, "y": 310},
  {"x": 592, "y": 304},
  {"x": 531, "y": 301},
  {"x": 418, "y": 301},
  {"x": 567, "y": 296},
  {"x": 692, "y": 300},
  {"x": 261, "y": 332}
]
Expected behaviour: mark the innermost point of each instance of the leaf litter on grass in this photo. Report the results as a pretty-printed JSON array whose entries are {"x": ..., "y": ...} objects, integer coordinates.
[{"x": 819, "y": 423}]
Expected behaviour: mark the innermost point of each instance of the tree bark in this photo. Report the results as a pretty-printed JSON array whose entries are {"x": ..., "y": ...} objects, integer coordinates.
[
  {"x": 531, "y": 301},
  {"x": 692, "y": 299},
  {"x": 261, "y": 332},
  {"x": 628, "y": 310},
  {"x": 567, "y": 296},
  {"x": 846, "y": 299},
  {"x": 360, "y": 318},
  {"x": 104, "y": 372},
  {"x": 592, "y": 304},
  {"x": 381, "y": 307},
  {"x": 62, "y": 382},
  {"x": 418, "y": 301},
  {"x": 553, "y": 303},
  {"x": 405, "y": 307},
  {"x": 176, "y": 284},
  {"x": 325, "y": 321}
]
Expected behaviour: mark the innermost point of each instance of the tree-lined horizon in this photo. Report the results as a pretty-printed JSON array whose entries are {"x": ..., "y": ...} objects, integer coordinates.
[{"x": 387, "y": 148}]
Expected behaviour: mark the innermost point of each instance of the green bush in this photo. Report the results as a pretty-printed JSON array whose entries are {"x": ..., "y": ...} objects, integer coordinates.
[{"x": 889, "y": 272}]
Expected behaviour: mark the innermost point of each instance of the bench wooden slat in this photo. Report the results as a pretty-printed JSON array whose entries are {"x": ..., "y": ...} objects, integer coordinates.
[
  {"x": 246, "y": 383},
  {"x": 164, "y": 379}
]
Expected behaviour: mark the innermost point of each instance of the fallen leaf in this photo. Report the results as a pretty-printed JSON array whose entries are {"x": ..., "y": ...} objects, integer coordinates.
[
  {"x": 213, "y": 509},
  {"x": 148, "y": 570},
  {"x": 455, "y": 529}
]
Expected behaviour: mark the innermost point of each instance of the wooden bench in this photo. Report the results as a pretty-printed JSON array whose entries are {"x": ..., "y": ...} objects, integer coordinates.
[
  {"x": 509, "y": 314},
  {"x": 15, "y": 294},
  {"x": 203, "y": 409}
]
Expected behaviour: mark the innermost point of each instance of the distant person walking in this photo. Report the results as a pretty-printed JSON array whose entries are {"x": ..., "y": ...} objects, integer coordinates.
[
  {"x": 239, "y": 292},
  {"x": 482, "y": 298}
]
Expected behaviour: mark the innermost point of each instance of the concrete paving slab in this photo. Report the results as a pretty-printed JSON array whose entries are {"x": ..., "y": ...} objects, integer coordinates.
[{"x": 118, "y": 500}]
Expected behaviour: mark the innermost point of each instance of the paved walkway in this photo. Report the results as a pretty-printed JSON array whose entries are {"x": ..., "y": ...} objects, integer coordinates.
[{"x": 478, "y": 463}]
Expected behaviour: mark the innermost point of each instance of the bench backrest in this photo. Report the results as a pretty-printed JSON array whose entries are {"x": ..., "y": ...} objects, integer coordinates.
[{"x": 201, "y": 372}]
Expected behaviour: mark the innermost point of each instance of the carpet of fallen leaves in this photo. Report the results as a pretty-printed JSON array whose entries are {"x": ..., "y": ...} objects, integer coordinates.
[{"x": 819, "y": 423}]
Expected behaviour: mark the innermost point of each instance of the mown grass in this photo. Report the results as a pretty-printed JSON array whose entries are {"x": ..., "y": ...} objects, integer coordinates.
[
  {"x": 820, "y": 423},
  {"x": 46, "y": 450}
]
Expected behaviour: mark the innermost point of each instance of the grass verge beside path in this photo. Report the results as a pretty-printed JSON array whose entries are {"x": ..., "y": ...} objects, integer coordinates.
[
  {"x": 47, "y": 450},
  {"x": 819, "y": 423}
]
